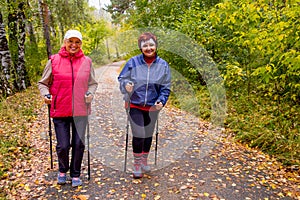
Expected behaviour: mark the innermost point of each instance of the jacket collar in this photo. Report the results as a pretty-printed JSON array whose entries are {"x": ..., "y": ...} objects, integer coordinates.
[{"x": 143, "y": 58}]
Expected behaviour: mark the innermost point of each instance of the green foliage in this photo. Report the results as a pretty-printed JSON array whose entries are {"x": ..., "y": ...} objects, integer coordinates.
[
  {"x": 94, "y": 38},
  {"x": 34, "y": 64},
  {"x": 260, "y": 123},
  {"x": 257, "y": 47},
  {"x": 120, "y": 9}
]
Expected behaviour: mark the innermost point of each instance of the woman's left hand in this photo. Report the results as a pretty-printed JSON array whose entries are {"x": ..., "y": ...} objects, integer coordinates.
[{"x": 158, "y": 105}]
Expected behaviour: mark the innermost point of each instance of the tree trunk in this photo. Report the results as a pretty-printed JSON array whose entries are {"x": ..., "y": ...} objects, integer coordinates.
[
  {"x": 107, "y": 48},
  {"x": 22, "y": 80},
  {"x": 5, "y": 87},
  {"x": 13, "y": 31},
  {"x": 44, "y": 13},
  {"x": 30, "y": 29}
]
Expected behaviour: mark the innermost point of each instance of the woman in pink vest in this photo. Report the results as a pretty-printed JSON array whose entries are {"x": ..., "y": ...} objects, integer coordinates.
[{"x": 68, "y": 84}]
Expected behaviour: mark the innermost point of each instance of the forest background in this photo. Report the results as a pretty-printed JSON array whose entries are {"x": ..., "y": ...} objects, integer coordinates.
[{"x": 255, "y": 45}]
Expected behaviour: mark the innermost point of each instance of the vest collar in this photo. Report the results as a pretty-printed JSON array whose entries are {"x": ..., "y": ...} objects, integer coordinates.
[{"x": 63, "y": 52}]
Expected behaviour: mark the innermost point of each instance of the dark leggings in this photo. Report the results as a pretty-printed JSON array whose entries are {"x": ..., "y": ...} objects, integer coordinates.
[
  {"x": 142, "y": 126},
  {"x": 66, "y": 140}
]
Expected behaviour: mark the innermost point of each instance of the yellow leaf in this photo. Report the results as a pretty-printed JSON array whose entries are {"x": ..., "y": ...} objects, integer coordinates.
[
  {"x": 157, "y": 197},
  {"x": 273, "y": 186},
  {"x": 289, "y": 194},
  {"x": 281, "y": 194},
  {"x": 156, "y": 184},
  {"x": 112, "y": 191},
  {"x": 144, "y": 196},
  {"x": 5, "y": 175},
  {"x": 136, "y": 181},
  {"x": 206, "y": 194},
  {"x": 27, "y": 188}
]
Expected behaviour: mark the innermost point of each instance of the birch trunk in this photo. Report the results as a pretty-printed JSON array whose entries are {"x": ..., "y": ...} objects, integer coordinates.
[
  {"x": 5, "y": 87},
  {"x": 22, "y": 79}
]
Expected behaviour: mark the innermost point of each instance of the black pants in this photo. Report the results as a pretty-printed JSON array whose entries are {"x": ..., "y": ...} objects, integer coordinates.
[
  {"x": 66, "y": 140},
  {"x": 142, "y": 126}
]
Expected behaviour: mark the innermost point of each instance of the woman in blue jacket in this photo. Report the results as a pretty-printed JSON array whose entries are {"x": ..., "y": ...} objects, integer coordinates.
[{"x": 145, "y": 82}]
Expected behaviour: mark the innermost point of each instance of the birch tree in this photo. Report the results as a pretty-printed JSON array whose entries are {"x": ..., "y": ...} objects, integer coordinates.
[
  {"x": 21, "y": 77},
  {"x": 5, "y": 58}
]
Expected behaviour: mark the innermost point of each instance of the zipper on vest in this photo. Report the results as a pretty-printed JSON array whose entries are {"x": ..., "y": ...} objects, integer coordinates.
[{"x": 72, "y": 86}]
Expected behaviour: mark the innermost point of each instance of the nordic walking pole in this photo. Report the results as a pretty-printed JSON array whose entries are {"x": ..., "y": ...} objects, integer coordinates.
[
  {"x": 88, "y": 147},
  {"x": 50, "y": 131},
  {"x": 88, "y": 137},
  {"x": 127, "y": 126},
  {"x": 127, "y": 130},
  {"x": 156, "y": 140}
]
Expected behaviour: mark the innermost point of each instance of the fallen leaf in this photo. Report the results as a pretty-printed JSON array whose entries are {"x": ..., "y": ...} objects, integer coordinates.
[{"x": 206, "y": 194}]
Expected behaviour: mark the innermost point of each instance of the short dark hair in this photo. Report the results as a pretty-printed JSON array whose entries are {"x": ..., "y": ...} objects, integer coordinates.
[{"x": 146, "y": 36}]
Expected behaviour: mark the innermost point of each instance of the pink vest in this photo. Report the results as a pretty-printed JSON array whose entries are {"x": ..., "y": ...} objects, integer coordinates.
[{"x": 70, "y": 83}]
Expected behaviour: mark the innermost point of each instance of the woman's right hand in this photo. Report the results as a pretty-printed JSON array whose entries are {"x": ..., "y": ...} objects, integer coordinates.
[
  {"x": 129, "y": 87},
  {"x": 48, "y": 99}
]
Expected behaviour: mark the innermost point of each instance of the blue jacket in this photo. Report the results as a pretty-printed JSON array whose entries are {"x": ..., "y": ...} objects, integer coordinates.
[{"x": 151, "y": 84}]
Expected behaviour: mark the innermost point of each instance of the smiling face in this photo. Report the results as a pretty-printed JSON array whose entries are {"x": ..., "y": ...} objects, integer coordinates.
[
  {"x": 148, "y": 48},
  {"x": 73, "y": 45}
]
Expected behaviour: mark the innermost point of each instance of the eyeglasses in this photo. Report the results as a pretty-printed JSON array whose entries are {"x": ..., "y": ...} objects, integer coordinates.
[{"x": 77, "y": 42}]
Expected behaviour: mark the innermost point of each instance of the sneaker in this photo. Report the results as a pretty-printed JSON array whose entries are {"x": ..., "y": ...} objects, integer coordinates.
[
  {"x": 76, "y": 182},
  {"x": 137, "y": 168},
  {"x": 61, "y": 180},
  {"x": 137, "y": 171},
  {"x": 145, "y": 167}
]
